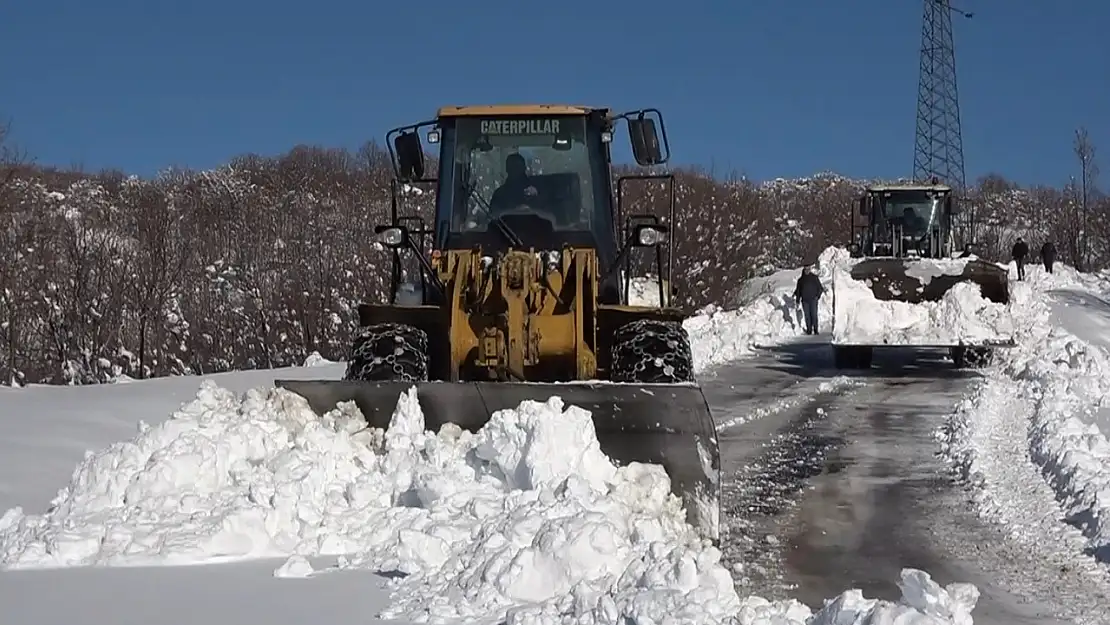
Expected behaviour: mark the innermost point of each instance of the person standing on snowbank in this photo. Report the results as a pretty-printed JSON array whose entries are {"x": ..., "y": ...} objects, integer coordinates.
[
  {"x": 1048, "y": 255},
  {"x": 1020, "y": 251},
  {"x": 807, "y": 293}
]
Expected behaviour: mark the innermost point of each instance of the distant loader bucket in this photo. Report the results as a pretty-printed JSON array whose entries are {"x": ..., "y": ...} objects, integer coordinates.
[
  {"x": 665, "y": 424},
  {"x": 927, "y": 280}
]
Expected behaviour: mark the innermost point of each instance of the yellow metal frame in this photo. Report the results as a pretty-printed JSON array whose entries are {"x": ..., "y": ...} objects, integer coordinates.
[{"x": 494, "y": 110}]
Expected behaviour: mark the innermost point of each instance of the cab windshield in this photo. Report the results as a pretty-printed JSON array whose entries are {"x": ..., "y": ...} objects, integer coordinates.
[
  {"x": 533, "y": 181},
  {"x": 917, "y": 211}
]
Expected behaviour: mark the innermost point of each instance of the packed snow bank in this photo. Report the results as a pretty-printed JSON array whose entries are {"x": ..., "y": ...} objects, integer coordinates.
[
  {"x": 526, "y": 520},
  {"x": 1063, "y": 276},
  {"x": 765, "y": 314},
  {"x": 1054, "y": 382},
  {"x": 962, "y": 316}
]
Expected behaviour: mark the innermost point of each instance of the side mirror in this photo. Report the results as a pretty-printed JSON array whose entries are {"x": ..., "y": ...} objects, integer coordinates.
[
  {"x": 863, "y": 206},
  {"x": 950, "y": 206},
  {"x": 393, "y": 237},
  {"x": 649, "y": 235},
  {"x": 645, "y": 141},
  {"x": 410, "y": 155}
]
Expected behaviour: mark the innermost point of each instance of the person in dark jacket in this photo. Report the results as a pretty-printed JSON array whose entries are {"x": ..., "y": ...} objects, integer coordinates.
[
  {"x": 806, "y": 293},
  {"x": 1020, "y": 251},
  {"x": 1048, "y": 255}
]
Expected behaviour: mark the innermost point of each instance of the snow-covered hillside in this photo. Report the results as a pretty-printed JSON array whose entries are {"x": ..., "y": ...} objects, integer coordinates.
[{"x": 505, "y": 525}]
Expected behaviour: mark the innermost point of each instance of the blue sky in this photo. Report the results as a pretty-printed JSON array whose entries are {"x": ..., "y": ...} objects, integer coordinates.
[{"x": 765, "y": 88}]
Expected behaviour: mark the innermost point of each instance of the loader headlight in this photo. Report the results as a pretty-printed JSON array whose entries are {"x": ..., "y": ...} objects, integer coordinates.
[
  {"x": 650, "y": 235},
  {"x": 391, "y": 236}
]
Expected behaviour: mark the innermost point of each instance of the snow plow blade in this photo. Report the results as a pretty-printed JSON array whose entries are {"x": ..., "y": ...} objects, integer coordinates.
[
  {"x": 917, "y": 280},
  {"x": 665, "y": 424}
]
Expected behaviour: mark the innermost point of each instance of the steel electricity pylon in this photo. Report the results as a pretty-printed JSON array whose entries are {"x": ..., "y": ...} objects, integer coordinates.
[{"x": 938, "y": 147}]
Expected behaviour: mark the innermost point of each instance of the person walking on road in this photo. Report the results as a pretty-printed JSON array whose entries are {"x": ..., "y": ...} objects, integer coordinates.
[
  {"x": 1048, "y": 255},
  {"x": 807, "y": 293},
  {"x": 1020, "y": 251}
]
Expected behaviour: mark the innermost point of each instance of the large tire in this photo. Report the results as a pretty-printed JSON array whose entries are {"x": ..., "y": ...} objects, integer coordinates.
[
  {"x": 651, "y": 352},
  {"x": 979, "y": 357},
  {"x": 388, "y": 352},
  {"x": 971, "y": 357},
  {"x": 866, "y": 354},
  {"x": 852, "y": 357}
]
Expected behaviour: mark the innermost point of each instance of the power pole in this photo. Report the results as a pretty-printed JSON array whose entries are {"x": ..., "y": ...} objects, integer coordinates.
[{"x": 938, "y": 148}]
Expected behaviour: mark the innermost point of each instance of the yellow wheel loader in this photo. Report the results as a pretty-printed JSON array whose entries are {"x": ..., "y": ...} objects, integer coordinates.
[
  {"x": 906, "y": 250},
  {"x": 525, "y": 292}
]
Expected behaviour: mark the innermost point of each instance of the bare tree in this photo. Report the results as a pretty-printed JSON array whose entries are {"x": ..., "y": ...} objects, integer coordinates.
[
  {"x": 1088, "y": 172},
  {"x": 16, "y": 238},
  {"x": 264, "y": 260}
]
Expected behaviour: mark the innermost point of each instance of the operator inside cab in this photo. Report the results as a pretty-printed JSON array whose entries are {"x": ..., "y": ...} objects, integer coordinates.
[
  {"x": 537, "y": 177},
  {"x": 911, "y": 223},
  {"x": 517, "y": 188}
]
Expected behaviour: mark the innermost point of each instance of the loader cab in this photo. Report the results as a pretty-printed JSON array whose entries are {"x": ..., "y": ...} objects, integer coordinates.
[
  {"x": 535, "y": 176},
  {"x": 546, "y": 177},
  {"x": 905, "y": 220}
]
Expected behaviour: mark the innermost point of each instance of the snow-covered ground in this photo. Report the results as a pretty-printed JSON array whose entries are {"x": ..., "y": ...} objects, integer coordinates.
[
  {"x": 525, "y": 521},
  {"x": 1045, "y": 408}
]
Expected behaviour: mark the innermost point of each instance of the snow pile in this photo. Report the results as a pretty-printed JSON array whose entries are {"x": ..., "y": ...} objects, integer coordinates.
[
  {"x": 925, "y": 269},
  {"x": 295, "y": 566},
  {"x": 765, "y": 314},
  {"x": 526, "y": 520},
  {"x": 1054, "y": 382},
  {"x": 962, "y": 316}
]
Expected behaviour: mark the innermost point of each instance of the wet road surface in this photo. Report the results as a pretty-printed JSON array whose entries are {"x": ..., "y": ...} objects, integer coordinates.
[{"x": 839, "y": 486}]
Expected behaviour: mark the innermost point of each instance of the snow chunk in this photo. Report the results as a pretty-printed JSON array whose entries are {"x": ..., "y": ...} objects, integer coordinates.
[
  {"x": 962, "y": 316},
  {"x": 925, "y": 269},
  {"x": 295, "y": 566},
  {"x": 530, "y": 450},
  {"x": 316, "y": 360},
  {"x": 923, "y": 601}
]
